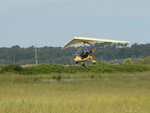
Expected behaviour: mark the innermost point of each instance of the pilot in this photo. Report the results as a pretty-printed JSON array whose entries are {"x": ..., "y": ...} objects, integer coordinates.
[
  {"x": 86, "y": 54},
  {"x": 82, "y": 55}
]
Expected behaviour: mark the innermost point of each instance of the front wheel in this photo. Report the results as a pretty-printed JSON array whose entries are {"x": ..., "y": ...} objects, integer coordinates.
[
  {"x": 77, "y": 62},
  {"x": 83, "y": 64},
  {"x": 94, "y": 63}
]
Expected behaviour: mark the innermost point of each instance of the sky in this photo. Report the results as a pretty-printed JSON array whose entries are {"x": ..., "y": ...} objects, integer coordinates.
[{"x": 55, "y": 22}]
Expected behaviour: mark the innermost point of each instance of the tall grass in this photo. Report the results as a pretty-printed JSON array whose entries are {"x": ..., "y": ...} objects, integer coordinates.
[{"x": 111, "y": 93}]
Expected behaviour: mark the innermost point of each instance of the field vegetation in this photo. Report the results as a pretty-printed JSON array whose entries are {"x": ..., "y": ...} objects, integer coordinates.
[
  {"x": 100, "y": 67},
  {"x": 86, "y": 93},
  {"x": 53, "y": 88}
]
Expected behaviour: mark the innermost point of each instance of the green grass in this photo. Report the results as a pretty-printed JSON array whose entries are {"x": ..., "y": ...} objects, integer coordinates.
[{"x": 91, "y": 93}]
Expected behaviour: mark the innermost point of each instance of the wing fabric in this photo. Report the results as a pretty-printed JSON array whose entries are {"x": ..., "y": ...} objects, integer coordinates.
[{"x": 78, "y": 40}]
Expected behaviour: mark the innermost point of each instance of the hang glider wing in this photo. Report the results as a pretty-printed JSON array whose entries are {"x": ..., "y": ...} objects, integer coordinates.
[{"x": 79, "y": 40}]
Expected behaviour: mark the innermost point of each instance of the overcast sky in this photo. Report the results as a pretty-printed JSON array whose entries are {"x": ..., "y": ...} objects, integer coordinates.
[{"x": 55, "y": 22}]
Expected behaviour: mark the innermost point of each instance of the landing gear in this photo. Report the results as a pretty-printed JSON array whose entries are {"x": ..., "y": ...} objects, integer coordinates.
[
  {"x": 77, "y": 62},
  {"x": 82, "y": 63},
  {"x": 94, "y": 63}
]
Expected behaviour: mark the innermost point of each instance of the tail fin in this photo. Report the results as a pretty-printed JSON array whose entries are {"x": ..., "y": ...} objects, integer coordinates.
[{"x": 94, "y": 50}]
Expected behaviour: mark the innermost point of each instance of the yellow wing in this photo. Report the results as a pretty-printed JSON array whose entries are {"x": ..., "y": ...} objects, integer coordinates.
[{"x": 78, "y": 40}]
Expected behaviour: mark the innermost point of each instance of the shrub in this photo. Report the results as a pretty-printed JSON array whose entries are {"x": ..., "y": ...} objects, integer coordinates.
[
  {"x": 128, "y": 61},
  {"x": 127, "y": 66},
  {"x": 43, "y": 69},
  {"x": 11, "y": 68}
]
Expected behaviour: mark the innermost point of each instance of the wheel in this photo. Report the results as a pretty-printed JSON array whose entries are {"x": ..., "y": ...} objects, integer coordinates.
[
  {"x": 77, "y": 62},
  {"x": 82, "y": 63},
  {"x": 94, "y": 63}
]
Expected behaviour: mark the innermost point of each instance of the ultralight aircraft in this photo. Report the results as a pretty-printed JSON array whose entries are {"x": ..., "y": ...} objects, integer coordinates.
[{"x": 84, "y": 54}]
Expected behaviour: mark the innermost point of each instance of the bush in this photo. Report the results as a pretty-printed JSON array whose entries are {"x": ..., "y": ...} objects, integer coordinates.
[
  {"x": 128, "y": 61},
  {"x": 43, "y": 69},
  {"x": 11, "y": 68},
  {"x": 127, "y": 66}
]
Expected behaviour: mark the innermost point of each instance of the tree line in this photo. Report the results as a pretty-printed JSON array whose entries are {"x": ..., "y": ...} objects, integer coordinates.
[{"x": 105, "y": 51}]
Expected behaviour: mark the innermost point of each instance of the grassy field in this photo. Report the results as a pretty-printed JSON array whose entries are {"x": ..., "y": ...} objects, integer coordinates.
[{"x": 87, "y": 93}]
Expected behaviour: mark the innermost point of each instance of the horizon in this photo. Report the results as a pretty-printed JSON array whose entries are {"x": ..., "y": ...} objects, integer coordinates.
[{"x": 78, "y": 45}]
